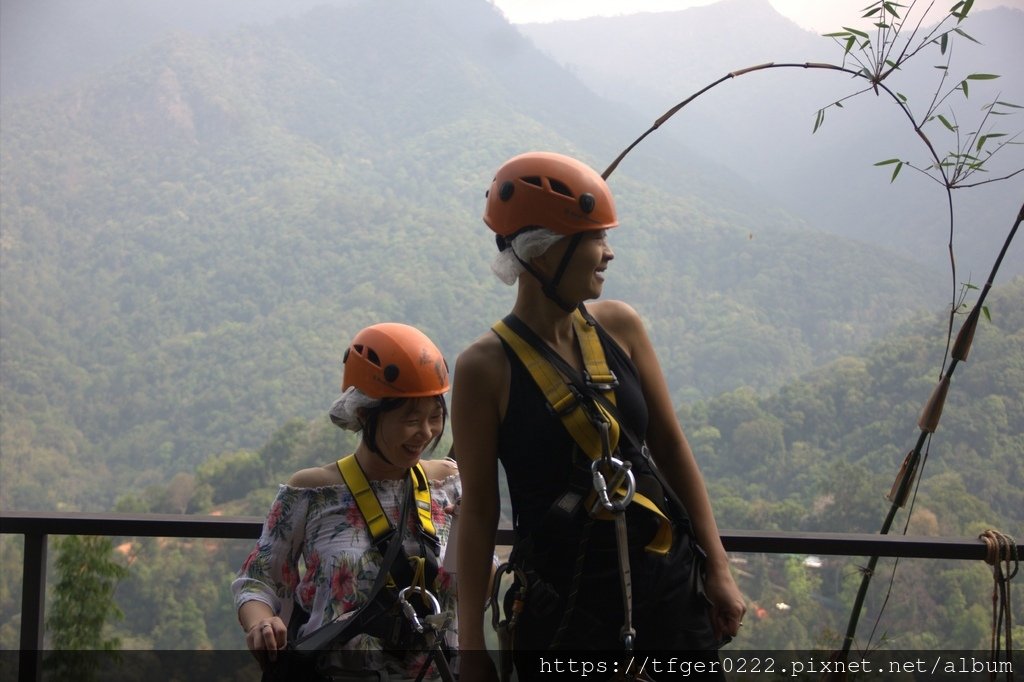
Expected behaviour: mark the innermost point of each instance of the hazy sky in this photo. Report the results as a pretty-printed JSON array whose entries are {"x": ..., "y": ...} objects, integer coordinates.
[{"x": 815, "y": 15}]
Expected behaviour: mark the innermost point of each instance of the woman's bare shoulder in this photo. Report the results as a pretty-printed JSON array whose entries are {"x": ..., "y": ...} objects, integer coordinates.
[
  {"x": 620, "y": 320},
  {"x": 316, "y": 477},
  {"x": 483, "y": 357},
  {"x": 480, "y": 385},
  {"x": 612, "y": 312}
]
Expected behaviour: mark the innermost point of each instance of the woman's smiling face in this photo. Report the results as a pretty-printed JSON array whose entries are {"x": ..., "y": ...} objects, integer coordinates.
[
  {"x": 403, "y": 435},
  {"x": 583, "y": 279}
]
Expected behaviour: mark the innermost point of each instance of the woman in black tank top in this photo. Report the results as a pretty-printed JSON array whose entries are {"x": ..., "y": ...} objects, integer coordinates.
[{"x": 551, "y": 214}]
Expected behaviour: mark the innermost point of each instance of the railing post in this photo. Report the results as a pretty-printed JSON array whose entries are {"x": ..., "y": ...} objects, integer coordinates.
[{"x": 33, "y": 600}]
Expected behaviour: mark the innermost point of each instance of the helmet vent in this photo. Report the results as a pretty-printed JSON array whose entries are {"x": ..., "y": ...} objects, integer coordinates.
[
  {"x": 390, "y": 373},
  {"x": 506, "y": 191},
  {"x": 560, "y": 187},
  {"x": 371, "y": 356},
  {"x": 587, "y": 202},
  {"x": 533, "y": 180}
]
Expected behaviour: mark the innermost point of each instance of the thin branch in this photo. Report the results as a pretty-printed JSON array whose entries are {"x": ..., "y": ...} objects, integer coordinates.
[{"x": 985, "y": 182}]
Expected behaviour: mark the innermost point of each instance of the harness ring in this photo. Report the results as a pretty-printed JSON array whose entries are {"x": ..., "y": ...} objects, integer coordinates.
[{"x": 622, "y": 472}]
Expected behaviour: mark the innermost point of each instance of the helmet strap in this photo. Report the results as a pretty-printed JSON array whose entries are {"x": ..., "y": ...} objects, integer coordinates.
[
  {"x": 550, "y": 289},
  {"x": 370, "y": 426},
  {"x": 574, "y": 243},
  {"x": 381, "y": 455}
]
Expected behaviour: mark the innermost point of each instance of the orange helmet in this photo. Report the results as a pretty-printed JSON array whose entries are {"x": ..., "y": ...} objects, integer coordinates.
[
  {"x": 392, "y": 360},
  {"x": 548, "y": 190}
]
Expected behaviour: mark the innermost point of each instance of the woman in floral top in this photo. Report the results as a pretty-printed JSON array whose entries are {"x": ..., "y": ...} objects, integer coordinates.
[{"x": 393, "y": 391}]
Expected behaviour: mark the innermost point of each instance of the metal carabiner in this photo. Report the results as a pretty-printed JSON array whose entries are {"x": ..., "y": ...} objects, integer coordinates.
[
  {"x": 622, "y": 472},
  {"x": 628, "y": 638},
  {"x": 410, "y": 611},
  {"x": 494, "y": 601}
]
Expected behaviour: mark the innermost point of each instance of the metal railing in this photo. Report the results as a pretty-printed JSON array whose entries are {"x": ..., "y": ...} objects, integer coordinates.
[{"x": 36, "y": 527}]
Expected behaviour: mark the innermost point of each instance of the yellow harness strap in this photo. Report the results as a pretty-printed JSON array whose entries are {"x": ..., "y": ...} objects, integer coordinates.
[
  {"x": 377, "y": 521},
  {"x": 561, "y": 399},
  {"x": 421, "y": 494},
  {"x": 572, "y": 412}
]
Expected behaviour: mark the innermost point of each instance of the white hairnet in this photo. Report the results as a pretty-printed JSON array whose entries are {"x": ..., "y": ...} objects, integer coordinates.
[
  {"x": 345, "y": 410},
  {"x": 525, "y": 245}
]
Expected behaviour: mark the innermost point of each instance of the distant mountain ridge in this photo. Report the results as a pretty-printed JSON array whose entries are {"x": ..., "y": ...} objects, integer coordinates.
[
  {"x": 760, "y": 125},
  {"x": 191, "y": 235}
]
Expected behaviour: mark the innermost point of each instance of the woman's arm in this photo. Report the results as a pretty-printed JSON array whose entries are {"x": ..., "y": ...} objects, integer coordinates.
[
  {"x": 675, "y": 459},
  {"x": 476, "y": 409},
  {"x": 265, "y": 632},
  {"x": 261, "y": 578}
]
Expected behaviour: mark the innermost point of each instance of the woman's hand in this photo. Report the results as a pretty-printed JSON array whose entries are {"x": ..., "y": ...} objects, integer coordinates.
[
  {"x": 265, "y": 638},
  {"x": 727, "y": 603},
  {"x": 439, "y": 469}
]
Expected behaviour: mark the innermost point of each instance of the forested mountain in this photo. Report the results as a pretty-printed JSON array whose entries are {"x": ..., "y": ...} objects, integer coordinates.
[
  {"x": 194, "y": 224},
  {"x": 842, "y": 431},
  {"x": 760, "y": 125},
  {"x": 192, "y": 234},
  {"x": 817, "y": 455}
]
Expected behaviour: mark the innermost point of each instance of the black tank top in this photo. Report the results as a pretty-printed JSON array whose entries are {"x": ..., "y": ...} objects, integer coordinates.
[{"x": 535, "y": 448}]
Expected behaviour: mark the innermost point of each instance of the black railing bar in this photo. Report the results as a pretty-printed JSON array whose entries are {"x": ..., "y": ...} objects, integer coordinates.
[
  {"x": 856, "y": 544},
  {"x": 248, "y": 528},
  {"x": 38, "y": 526},
  {"x": 33, "y": 596},
  {"x": 130, "y": 525}
]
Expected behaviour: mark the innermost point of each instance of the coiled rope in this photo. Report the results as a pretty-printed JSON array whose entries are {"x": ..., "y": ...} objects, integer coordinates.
[{"x": 1002, "y": 556}]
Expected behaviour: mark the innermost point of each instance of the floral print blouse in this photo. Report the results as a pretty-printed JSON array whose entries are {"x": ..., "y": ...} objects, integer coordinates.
[{"x": 324, "y": 529}]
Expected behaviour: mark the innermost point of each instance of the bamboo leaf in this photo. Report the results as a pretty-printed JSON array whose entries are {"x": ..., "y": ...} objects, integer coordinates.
[
  {"x": 961, "y": 9},
  {"x": 855, "y": 32},
  {"x": 887, "y": 162},
  {"x": 985, "y": 138},
  {"x": 946, "y": 123},
  {"x": 895, "y": 172},
  {"x": 963, "y": 86},
  {"x": 850, "y": 43},
  {"x": 982, "y": 76},
  {"x": 986, "y": 313},
  {"x": 818, "y": 120},
  {"x": 960, "y": 31},
  {"x": 943, "y": 43}
]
